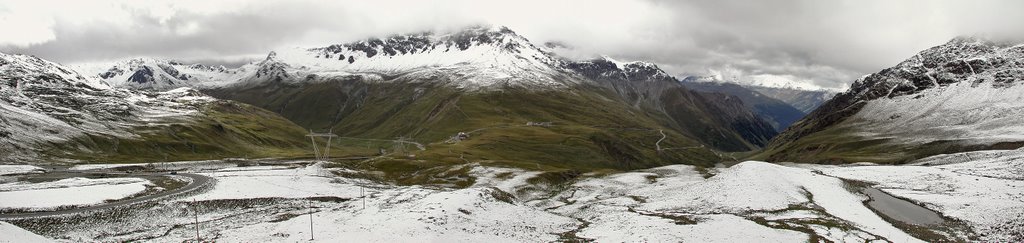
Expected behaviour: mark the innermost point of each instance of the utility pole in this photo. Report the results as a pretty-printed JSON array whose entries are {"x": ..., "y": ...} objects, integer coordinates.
[
  {"x": 311, "y": 219},
  {"x": 197, "y": 218},
  {"x": 323, "y": 155},
  {"x": 362, "y": 195}
]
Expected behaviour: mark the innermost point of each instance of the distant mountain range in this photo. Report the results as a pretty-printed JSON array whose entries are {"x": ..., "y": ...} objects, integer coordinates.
[
  {"x": 804, "y": 100},
  {"x": 516, "y": 102},
  {"x": 513, "y": 101},
  {"x": 776, "y": 112},
  {"x": 960, "y": 96}
]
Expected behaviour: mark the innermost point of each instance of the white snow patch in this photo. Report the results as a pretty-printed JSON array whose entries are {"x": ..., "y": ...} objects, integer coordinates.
[
  {"x": 19, "y": 169},
  {"x": 10, "y": 233},
  {"x": 415, "y": 214},
  {"x": 277, "y": 181},
  {"x": 68, "y": 192}
]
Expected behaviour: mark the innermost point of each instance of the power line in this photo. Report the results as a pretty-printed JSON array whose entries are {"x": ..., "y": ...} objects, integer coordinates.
[{"x": 326, "y": 153}]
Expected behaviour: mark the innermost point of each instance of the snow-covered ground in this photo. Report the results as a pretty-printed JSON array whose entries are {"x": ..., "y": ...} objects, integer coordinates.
[
  {"x": 749, "y": 202},
  {"x": 984, "y": 192},
  {"x": 416, "y": 214},
  {"x": 676, "y": 203},
  {"x": 19, "y": 169},
  {"x": 13, "y": 234},
  {"x": 68, "y": 192},
  {"x": 277, "y": 181},
  {"x": 977, "y": 114}
]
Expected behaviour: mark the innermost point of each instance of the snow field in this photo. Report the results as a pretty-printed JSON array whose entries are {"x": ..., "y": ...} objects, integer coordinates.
[
  {"x": 974, "y": 191},
  {"x": 68, "y": 192},
  {"x": 746, "y": 189},
  {"x": 10, "y": 233}
]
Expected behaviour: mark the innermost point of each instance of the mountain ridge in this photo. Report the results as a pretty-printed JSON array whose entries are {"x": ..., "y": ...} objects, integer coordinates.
[
  {"x": 429, "y": 86},
  {"x": 63, "y": 115},
  {"x": 958, "y": 96}
]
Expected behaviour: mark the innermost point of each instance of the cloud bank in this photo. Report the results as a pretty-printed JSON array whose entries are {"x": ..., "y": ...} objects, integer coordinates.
[{"x": 820, "y": 43}]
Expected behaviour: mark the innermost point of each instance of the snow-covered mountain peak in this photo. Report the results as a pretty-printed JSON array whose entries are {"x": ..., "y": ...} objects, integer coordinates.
[
  {"x": 462, "y": 40},
  {"x": 636, "y": 66},
  {"x": 271, "y": 58},
  {"x": 609, "y": 68},
  {"x": 15, "y": 69},
  {"x": 976, "y": 61},
  {"x": 769, "y": 81},
  {"x": 147, "y": 73},
  {"x": 472, "y": 57}
]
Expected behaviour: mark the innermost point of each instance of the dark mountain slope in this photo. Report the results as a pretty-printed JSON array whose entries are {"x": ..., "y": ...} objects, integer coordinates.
[{"x": 779, "y": 114}]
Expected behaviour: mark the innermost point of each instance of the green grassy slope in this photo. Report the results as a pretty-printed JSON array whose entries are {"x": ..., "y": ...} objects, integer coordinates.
[
  {"x": 223, "y": 129},
  {"x": 590, "y": 129}
]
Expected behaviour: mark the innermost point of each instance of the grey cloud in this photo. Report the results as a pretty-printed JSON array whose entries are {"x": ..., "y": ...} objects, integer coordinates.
[
  {"x": 229, "y": 34},
  {"x": 828, "y": 43}
]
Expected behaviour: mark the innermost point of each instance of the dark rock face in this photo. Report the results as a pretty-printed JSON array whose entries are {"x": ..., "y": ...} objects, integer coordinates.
[
  {"x": 603, "y": 69},
  {"x": 142, "y": 75},
  {"x": 113, "y": 72}
]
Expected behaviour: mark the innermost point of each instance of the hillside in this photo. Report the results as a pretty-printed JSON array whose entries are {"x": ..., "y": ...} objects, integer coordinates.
[
  {"x": 960, "y": 96},
  {"x": 490, "y": 83},
  {"x": 53, "y": 113}
]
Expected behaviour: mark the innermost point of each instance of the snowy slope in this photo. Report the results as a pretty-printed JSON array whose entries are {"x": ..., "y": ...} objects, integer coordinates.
[
  {"x": 968, "y": 89},
  {"x": 966, "y": 93},
  {"x": 45, "y": 103},
  {"x": 981, "y": 114},
  {"x": 10, "y": 233}
]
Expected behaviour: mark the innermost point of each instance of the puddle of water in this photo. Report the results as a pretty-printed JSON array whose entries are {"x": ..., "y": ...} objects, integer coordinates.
[{"x": 901, "y": 210}]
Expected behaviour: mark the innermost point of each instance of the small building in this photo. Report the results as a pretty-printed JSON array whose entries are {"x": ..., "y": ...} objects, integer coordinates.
[{"x": 538, "y": 124}]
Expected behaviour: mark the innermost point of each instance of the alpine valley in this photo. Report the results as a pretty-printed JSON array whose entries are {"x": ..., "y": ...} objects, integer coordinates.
[
  {"x": 479, "y": 135},
  {"x": 487, "y": 82}
]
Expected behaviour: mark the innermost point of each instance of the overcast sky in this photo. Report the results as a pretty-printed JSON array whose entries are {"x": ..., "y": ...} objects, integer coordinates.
[{"x": 825, "y": 43}]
